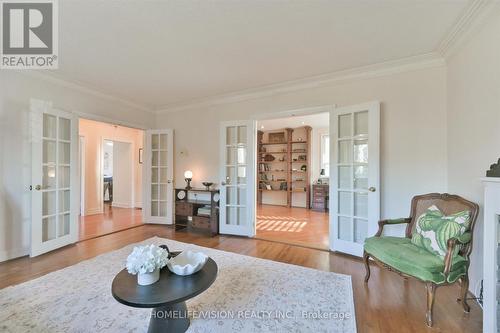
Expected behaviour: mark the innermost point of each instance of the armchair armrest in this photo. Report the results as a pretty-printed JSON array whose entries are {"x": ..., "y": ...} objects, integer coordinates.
[
  {"x": 452, "y": 243},
  {"x": 390, "y": 221}
]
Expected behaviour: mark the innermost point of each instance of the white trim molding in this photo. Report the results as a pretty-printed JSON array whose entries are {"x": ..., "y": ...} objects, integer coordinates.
[
  {"x": 13, "y": 253},
  {"x": 413, "y": 63},
  {"x": 93, "y": 211},
  {"x": 81, "y": 87},
  {"x": 472, "y": 17}
]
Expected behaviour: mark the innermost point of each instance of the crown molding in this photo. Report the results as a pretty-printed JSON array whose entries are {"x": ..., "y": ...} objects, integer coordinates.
[
  {"x": 413, "y": 63},
  {"x": 472, "y": 17},
  {"x": 80, "y": 87}
]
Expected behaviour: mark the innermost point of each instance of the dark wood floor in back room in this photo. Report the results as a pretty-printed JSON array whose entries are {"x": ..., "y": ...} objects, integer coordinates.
[{"x": 387, "y": 304}]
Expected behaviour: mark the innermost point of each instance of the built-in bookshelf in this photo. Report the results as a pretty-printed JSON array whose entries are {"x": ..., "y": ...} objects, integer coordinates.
[{"x": 283, "y": 164}]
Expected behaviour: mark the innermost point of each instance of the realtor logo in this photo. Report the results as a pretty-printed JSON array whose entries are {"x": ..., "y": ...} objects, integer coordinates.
[{"x": 29, "y": 34}]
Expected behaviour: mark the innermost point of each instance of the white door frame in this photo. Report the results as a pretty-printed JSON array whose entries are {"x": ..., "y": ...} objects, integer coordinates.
[
  {"x": 373, "y": 177},
  {"x": 81, "y": 154},
  {"x": 253, "y": 154},
  {"x": 292, "y": 113},
  {"x": 101, "y": 168}
]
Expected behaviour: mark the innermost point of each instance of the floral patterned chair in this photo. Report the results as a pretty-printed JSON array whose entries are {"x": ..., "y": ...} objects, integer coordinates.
[{"x": 436, "y": 248}]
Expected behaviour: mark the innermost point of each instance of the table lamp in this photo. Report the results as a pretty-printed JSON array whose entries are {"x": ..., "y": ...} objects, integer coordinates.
[{"x": 188, "y": 176}]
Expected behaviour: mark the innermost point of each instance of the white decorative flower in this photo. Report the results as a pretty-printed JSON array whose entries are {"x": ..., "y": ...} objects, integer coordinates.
[{"x": 145, "y": 259}]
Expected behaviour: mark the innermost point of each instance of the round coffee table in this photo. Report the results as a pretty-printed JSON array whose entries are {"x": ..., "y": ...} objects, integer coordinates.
[{"x": 167, "y": 296}]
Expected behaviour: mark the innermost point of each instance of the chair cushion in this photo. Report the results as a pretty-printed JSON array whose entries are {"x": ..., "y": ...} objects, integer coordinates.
[
  {"x": 433, "y": 229},
  {"x": 401, "y": 254}
]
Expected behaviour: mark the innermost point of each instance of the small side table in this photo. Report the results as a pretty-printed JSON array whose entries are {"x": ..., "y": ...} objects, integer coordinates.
[{"x": 167, "y": 296}]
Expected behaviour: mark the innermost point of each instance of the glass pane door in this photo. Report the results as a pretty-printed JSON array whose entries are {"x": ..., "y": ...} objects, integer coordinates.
[
  {"x": 160, "y": 188},
  {"x": 237, "y": 189},
  {"x": 56, "y": 152},
  {"x": 54, "y": 219},
  {"x": 354, "y": 185}
]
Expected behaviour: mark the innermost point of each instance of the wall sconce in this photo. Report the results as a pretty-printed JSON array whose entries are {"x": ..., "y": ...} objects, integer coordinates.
[{"x": 188, "y": 176}]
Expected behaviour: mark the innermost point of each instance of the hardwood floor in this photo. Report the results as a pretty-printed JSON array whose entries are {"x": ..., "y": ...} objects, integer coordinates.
[
  {"x": 298, "y": 226},
  {"x": 387, "y": 304},
  {"x": 113, "y": 219}
]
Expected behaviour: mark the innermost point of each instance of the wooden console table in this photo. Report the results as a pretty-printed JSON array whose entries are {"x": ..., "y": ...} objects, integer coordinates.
[{"x": 186, "y": 210}]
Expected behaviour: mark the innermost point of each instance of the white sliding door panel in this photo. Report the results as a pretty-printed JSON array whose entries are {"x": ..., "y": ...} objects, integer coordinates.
[
  {"x": 158, "y": 176},
  {"x": 55, "y": 197},
  {"x": 237, "y": 178},
  {"x": 354, "y": 176}
]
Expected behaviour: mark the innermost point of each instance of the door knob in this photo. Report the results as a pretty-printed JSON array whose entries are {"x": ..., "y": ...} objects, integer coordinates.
[
  {"x": 223, "y": 183},
  {"x": 372, "y": 189},
  {"x": 169, "y": 181},
  {"x": 38, "y": 187}
]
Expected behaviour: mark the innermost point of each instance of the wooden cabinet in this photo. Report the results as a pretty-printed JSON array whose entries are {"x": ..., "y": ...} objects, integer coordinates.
[
  {"x": 320, "y": 197},
  {"x": 196, "y": 214}
]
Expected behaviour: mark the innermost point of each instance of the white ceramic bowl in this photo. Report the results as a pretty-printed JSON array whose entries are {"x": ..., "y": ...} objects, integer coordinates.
[{"x": 187, "y": 262}]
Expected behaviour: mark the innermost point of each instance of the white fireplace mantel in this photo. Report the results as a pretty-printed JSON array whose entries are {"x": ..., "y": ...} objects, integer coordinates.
[{"x": 491, "y": 242}]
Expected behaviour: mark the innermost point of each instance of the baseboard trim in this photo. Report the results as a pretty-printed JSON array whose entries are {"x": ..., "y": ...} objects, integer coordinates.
[
  {"x": 122, "y": 205},
  {"x": 93, "y": 211},
  {"x": 14, "y": 253}
]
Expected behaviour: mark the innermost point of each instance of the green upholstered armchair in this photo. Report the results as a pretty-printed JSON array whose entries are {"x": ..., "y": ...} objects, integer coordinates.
[{"x": 401, "y": 255}]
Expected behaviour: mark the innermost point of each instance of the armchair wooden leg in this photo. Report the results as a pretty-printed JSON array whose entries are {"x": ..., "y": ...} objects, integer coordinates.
[
  {"x": 366, "y": 260},
  {"x": 431, "y": 291},
  {"x": 464, "y": 283}
]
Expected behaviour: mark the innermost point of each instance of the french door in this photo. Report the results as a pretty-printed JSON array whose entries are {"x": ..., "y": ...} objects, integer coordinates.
[
  {"x": 354, "y": 175},
  {"x": 158, "y": 176},
  {"x": 237, "y": 178},
  {"x": 54, "y": 194}
]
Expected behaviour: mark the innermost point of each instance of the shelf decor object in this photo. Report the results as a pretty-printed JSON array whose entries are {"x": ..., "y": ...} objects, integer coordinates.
[
  {"x": 207, "y": 185},
  {"x": 188, "y": 177},
  {"x": 278, "y": 137},
  {"x": 491, "y": 258},
  {"x": 146, "y": 262},
  {"x": 187, "y": 263},
  {"x": 494, "y": 170}
]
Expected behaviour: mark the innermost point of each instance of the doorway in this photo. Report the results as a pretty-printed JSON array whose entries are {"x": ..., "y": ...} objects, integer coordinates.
[
  {"x": 112, "y": 184},
  {"x": 254, "y": 163},
  {"x": 293, "y": 180}
]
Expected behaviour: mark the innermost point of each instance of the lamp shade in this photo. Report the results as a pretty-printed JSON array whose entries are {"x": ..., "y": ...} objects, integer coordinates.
[{"x": 188, "y": 174}]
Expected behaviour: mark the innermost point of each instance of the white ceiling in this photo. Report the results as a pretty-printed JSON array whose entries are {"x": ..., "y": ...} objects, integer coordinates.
[
  {"x": 161, "y": 53},
  {"x": 319, "y": 120}
]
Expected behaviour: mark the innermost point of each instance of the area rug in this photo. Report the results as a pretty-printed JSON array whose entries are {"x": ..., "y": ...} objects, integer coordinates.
[{"x": 249, "y": 295}]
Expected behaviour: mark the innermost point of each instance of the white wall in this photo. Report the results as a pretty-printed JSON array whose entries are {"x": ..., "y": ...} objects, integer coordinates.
[
  {"x": 123, "y": 177},
  {"x": 15, "y": 151},
  {"x": 474, "y": 120},
  {"x": 413, "y": 133}
]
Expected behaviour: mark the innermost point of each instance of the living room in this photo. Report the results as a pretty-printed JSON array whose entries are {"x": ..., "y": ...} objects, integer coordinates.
[{"x": 411, "y": 93}]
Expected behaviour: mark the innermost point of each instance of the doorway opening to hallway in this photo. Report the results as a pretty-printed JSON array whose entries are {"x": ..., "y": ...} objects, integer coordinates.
[{"x": 111, "y": 178}]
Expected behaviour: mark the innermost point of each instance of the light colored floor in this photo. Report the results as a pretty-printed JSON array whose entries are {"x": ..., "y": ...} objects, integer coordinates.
[
  {"x": 298, "y": 226},
  {"x": 112, "y": 220},
  {"x": 386, "y": 304}
]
